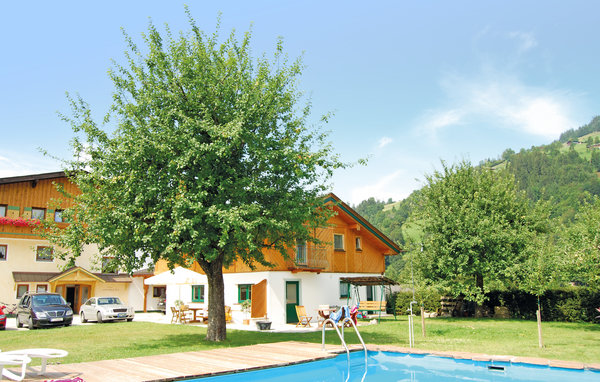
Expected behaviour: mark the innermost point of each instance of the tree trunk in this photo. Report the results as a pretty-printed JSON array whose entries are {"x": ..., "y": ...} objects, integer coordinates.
[
  {"x": 217, "y": 329},
  {"x": 539, "y": 324},
  {"x": 479, "y": 307}
]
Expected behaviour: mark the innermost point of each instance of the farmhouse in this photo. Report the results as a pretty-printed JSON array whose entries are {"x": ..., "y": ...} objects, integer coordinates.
[{"x": 312, "y": 275}]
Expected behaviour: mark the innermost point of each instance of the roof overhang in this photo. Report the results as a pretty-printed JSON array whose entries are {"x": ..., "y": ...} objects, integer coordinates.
[{"x": 394, "y": 249}]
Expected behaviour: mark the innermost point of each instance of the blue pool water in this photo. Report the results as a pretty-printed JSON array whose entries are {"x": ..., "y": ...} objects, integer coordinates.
[{"x": 388, "y": 366}]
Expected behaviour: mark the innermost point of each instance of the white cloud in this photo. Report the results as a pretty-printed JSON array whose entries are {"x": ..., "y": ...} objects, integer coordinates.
[
  {"x": 525, "y": 40},
  {"x": 22, "y": 163},
  {"x": 383, "y": 189},
  {"x": 384, "y": 141},
  {"x": 503, "y": 102}
]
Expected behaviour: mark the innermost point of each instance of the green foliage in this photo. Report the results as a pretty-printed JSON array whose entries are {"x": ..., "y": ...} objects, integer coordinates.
[
  {"x": 582, "y": 245},
  {"x": 572, "y": 134},
  {"x": 212, "y": 158},
  {"x": 561, "y": 177},
  {"x": 428, "y": 297},
  {"x": 570, "y": 304},
  {"x": 477, "y": 225}
]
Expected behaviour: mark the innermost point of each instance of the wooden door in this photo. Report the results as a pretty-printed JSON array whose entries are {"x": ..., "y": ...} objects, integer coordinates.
[
  {"x": 292, "y": 297},
  {"x": 258, "y": 308}
]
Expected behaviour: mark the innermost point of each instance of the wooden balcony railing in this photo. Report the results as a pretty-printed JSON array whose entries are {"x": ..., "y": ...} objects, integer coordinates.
[{"x": 309, "y": 258}]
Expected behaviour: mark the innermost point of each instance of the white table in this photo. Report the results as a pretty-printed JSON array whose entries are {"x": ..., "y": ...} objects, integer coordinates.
[{"x": 42, "y": 353}]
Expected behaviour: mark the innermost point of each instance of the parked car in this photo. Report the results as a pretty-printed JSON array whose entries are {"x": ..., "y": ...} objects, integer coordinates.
[
  {"x": 161, "y": 306},
  {"x": 2, "y": 317},
  {"x": 105, "y": 308},
  {"x": 43, "y": 309}
]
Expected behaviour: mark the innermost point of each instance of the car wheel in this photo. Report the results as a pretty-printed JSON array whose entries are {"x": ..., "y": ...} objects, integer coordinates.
[
  {"x": 19, "y": 323},
  {"x": 30, "y": 323},
  {"x": 83, "y": 319},
  {"x": 99, "y": 315},
  {"x": 129, "y": 319}
]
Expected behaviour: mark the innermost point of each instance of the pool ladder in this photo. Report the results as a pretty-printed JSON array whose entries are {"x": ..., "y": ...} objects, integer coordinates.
[{"x": 341, "y": 335}]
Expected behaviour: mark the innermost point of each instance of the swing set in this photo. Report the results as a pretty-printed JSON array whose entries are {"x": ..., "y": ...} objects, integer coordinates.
[{"x": 367, "y": 306}]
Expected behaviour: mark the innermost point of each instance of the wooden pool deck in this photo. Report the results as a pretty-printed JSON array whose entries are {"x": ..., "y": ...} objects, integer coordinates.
[
  {"x": 168, "y": 367},
  {"x": 175, "y": 366}
]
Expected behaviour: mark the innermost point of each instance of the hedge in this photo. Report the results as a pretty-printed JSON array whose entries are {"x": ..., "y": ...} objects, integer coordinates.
[{"x": 572, "y": 304}]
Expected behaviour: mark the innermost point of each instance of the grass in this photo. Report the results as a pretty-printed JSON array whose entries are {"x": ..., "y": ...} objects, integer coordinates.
[{"x": 565, "y": 341}]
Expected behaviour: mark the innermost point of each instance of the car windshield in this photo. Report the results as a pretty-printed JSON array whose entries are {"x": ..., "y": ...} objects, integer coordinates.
[
  {"x": 48, "y": 299},
  {"x": 108, "y": 300}
]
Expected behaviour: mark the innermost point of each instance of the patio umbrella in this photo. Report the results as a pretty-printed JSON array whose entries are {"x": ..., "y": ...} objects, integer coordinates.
[{"x": 178, "y": 275}]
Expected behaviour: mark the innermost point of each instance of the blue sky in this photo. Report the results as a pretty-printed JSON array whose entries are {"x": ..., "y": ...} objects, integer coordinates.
[{"x": 410, "y": 83}]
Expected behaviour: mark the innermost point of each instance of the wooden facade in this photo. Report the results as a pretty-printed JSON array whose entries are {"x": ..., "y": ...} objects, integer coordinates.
[
  {"x": 364, "y": 249},
  {"x": 22, "y": 194}
]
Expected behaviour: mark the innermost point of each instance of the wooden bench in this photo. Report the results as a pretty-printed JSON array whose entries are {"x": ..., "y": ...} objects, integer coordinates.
[{"x": 372, "y": 306}]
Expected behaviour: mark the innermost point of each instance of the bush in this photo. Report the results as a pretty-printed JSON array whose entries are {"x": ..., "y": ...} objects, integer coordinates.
[
  {"x": 574, "y": 304},
  {"x": 428, "y": 297}
]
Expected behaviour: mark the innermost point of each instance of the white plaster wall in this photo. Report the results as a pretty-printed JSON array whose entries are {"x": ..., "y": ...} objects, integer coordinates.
[
  {"x": 314, "y": 290},
  {"x": 135, "y": 294},
  {"x": 21, "y": 254}
]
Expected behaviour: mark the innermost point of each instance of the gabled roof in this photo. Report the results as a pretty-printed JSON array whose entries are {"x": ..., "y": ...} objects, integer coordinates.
[
  {"x": 333, "y": 199},
  {"x": 33, "y": 178},
  {"x": 45, "y": 277}
]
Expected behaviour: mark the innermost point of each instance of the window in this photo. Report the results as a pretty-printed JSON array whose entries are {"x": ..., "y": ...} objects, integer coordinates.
[
  {"x": 197, "y": 293},
  {"x": 21, "y": 290},
  {"x": 3, "y": 252},
  {"x": 58, "y": 216},
  {"x": 3, "y": 208},
  {"x": 344, "y": 289},
  {"x": 44, "y": 254},
  {"x": 338, "y": 242},
  {"x": 244, "y": 292},
  {"x": 300, "y": 252},
  {"x": 159, "y": 291},
  {"x": 41, "y": 288},
  {"x": 38, "y": 213},
  {"x": 358, "y": 244}
]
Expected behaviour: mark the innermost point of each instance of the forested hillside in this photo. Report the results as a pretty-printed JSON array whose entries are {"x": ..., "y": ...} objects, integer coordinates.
[{"x": 564, "y": 172}]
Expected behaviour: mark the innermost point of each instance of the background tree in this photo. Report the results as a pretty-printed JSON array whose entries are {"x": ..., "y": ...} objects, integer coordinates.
[
  {"x": 476, "y": 227},
  {"x": 211, "y": 159},
  {"x": 582, "y": 245},
  {"x": 542, "y": 270}
]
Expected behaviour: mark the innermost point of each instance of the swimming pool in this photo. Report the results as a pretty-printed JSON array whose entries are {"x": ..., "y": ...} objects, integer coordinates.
[{"x": 389, "y": 366}]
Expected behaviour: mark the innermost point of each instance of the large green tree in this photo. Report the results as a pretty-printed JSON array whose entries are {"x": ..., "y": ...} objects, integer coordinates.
[
  {"x": 476, "y": 226},
  {"x": 207, "y": 155},
  {"x": 582, "y": 245}
]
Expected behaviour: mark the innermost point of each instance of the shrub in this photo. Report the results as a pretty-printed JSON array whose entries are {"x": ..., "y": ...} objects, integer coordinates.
[{"x": 428, "y": 297}]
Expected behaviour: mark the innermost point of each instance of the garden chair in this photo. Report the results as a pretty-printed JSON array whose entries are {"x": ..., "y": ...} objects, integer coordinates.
[
  {"x": 227, "y": 313},
  {"x": 175, "y": 315},
  {"x": 303, "y": 318},
  {"x": 185, "y": 314},
  {"x": 13, "y": 359}
]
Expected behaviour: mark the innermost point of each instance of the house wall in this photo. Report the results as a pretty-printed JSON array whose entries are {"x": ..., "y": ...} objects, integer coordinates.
[
  {"x": 314, "y": 290},
  {"x": 21, "y": 257}
]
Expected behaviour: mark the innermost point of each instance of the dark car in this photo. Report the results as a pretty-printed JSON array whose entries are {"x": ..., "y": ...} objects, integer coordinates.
[
  {"x": 43, "y": 309},
  {"x": 2, "y": 317}
]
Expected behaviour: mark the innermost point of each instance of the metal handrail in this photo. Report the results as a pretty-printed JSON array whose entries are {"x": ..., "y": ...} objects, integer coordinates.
[{"x": 341, "y": 335}]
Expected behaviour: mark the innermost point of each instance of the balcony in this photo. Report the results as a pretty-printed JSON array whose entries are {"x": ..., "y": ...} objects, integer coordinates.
[{"x": 308, "y": 258}]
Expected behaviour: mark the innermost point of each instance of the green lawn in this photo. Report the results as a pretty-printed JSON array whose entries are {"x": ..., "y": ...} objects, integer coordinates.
[{"x": 566, "y": 341}]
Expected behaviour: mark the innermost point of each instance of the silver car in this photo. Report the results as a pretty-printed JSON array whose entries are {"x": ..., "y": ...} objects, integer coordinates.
[{"x": 105, "y": 308}]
